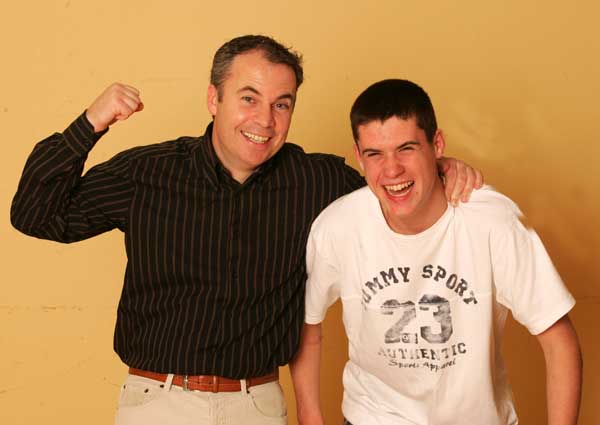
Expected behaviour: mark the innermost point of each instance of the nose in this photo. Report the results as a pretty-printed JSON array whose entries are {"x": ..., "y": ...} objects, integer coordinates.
[
  {"x": 392, "y": 167},
  {"x": 264, "y": 116}
]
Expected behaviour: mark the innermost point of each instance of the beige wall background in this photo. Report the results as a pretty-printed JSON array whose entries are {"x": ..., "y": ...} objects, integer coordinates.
[{"x": 515, "y": 84}]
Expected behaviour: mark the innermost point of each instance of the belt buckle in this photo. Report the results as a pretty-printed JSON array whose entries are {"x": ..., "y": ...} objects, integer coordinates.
[{"x": 184, "y": 383}]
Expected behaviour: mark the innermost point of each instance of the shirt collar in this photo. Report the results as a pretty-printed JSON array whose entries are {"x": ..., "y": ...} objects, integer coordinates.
[
  {"x": 206, "y": 158},
  {"x": 212, "y": 169}
]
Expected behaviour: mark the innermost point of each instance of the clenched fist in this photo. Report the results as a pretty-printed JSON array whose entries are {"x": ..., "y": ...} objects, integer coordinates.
[{"x": 117, "y": 103}]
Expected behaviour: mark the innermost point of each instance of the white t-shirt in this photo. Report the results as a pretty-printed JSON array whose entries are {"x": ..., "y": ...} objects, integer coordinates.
[{"x": 424, "y": 313}]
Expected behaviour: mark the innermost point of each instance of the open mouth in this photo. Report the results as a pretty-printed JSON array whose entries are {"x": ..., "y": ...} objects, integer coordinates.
[
  {"x": 255, "y": 138},
  {"x": 399, "y": 189}
]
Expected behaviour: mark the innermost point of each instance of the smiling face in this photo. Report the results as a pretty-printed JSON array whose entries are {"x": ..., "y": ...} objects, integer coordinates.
[
  {"x": 253, "y": 114},
  {"x": 400, "y": 168}
]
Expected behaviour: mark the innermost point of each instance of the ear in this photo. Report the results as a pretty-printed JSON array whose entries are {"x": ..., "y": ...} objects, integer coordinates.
[
  {"x": 358, "y": 156},
  {"x": 439, "y": 143},
  {"x": 212, "y": 99}
]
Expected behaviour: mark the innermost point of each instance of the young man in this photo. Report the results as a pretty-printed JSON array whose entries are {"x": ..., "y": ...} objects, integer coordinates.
[
  {"x": 426, "y": 286},
  {"x": 215, "y": 230}
]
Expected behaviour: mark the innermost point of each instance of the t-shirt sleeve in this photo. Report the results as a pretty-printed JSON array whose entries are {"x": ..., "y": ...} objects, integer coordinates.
[
  {"x": 525, "y": 279},
  {"x": 322, "y": 285}
]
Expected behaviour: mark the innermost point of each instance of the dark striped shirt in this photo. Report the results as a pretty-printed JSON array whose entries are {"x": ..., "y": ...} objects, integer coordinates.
[{"x": 215, "y": 273}]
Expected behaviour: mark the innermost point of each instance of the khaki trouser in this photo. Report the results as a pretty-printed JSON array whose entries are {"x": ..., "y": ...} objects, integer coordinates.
[{"x": 145, "y": 401}]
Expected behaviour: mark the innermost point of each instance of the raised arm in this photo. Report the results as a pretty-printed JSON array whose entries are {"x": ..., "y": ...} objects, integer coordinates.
[
  {"x": 117, "y": 103},
  {"x": 563, "y": 372},
  {"x": 305, "y": 371},
  {"x": 53, "y": 201}
]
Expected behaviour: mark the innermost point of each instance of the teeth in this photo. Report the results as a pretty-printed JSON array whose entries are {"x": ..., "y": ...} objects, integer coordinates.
[
  {"x": 398, "y": 187},
  {"x": 255, "y": 137}
]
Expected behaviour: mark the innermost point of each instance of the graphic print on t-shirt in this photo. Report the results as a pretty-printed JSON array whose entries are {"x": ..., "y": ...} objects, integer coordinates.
[{"x": 415, "y": 327}]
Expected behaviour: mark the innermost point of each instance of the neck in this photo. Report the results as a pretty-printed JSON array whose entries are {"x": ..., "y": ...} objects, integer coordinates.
[
  {"x": 237, "y": 173},
  {"x": 423, "y": 218}
]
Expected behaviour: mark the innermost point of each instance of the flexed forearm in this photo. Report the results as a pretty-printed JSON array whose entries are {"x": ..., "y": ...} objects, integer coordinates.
[{"x": 53, "y": 201}]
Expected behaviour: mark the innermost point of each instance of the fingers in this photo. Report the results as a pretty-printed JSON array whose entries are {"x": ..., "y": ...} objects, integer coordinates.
[
  {"x": 126, "y": 104},
  {"x": 117, "y": 103},
  {"x": 478, "y": 179},
  {"x": 469, "y": 184},
  {"x": 460, "y": 180},
  {"x": 130, "y": 88},
  {"x": 127, "y": 101},
  {"x": 474, "y": 180}
]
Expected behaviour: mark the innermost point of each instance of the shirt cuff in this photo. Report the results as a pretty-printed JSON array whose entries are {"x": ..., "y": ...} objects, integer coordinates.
[{"x": 80, "y": 135}]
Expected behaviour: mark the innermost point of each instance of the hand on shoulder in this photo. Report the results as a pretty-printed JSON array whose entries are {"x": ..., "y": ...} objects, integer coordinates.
[{"x": 460, "y": 179}]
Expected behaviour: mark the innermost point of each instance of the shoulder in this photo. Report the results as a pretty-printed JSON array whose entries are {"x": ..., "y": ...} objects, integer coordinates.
[
  {"x": 172, "y": 155},
  {"x": 327, "y": 171},
  {"x": 342, "y": 215},
  {"x": 295, "y": 153},
  {"x": 490, "y": 207},
  {"x": 181, "y": 146}
]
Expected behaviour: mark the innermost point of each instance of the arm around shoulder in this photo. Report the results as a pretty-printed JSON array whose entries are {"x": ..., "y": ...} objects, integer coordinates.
[{"x": 460, "y": 179}]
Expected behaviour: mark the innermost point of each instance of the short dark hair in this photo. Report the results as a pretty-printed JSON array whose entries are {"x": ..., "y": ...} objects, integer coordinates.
[
  {"x": 393, "y": 98},
  {"x": 274, "y": 52}
]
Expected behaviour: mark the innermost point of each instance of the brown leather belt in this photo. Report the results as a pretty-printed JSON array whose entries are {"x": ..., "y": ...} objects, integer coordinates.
[{"x": 211, "y": 383}]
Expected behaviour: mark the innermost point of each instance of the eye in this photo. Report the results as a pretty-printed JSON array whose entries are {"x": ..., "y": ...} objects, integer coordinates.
[
  {"x": 373, "y": 154},
  {"x": 248, "y": 99},
  {"x": 282, "y": 106}
]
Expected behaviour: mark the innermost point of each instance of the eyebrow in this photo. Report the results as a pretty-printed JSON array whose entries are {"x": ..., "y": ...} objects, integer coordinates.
[
  {"x": 248, "y": 88},
  {"x": 280, "y": 97},
  {"x": 408, "y": 143}
]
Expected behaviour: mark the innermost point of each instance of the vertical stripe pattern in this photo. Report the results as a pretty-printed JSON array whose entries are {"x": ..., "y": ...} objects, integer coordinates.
[{"x": 215, "y": 276}]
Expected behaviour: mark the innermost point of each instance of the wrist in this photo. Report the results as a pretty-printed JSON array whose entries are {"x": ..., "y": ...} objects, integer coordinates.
[
  {"x": 310, "y": 417},
  {"x": 95, "y": 122}
]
